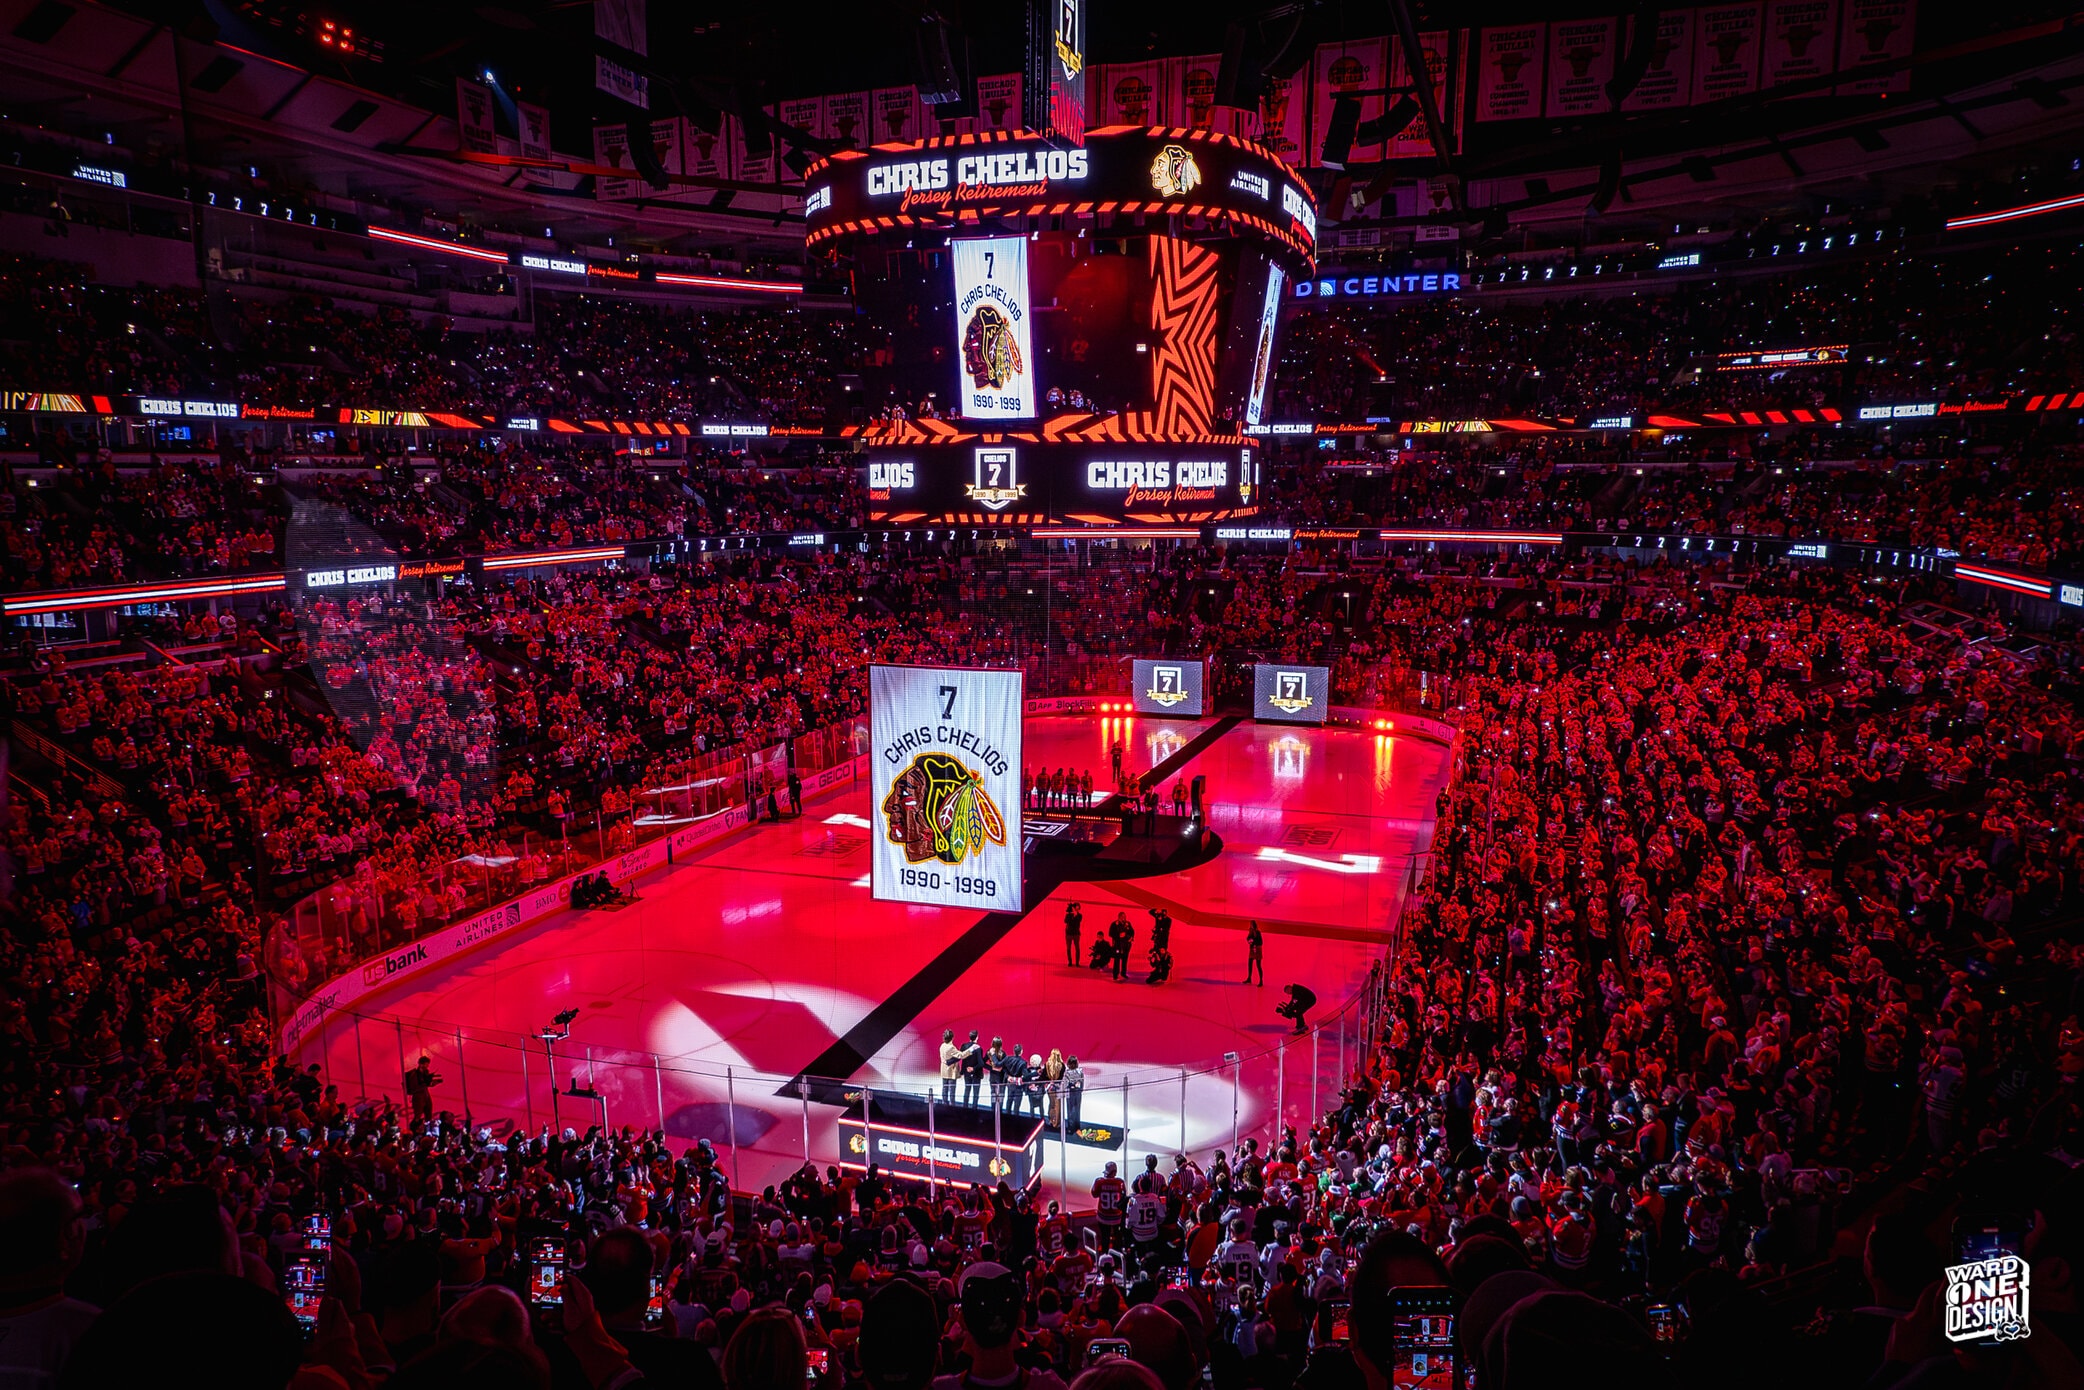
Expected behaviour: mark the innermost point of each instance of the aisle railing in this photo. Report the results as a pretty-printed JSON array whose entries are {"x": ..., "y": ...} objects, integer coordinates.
[{"x": 512, "y": 1083}]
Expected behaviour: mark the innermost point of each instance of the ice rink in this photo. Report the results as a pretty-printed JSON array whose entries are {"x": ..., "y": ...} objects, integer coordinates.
[{"x": 764, "y": 958}]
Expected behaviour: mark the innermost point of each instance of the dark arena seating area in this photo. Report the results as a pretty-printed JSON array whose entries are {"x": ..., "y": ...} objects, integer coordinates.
[{"x": 558, "y": 698}]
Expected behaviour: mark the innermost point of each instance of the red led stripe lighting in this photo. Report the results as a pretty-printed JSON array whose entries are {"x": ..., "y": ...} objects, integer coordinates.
[
  {"x": 1499, "y": 537},
  {"x": 530, "y": 559},
  {"x": 723, "y": 282},
  {"x": 117, "y": 596},
  {"x": 1985, "y": 219},
  {"x": 428, "y": 243},
  {"x": 2002, "y": 579}
]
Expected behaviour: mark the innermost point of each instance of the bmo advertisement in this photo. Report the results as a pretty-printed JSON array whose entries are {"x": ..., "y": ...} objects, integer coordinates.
[
  {"x": 945, "y": 786},
  {"x": 1289, "y": 694},
  {"x": 1167, "y": 688}
]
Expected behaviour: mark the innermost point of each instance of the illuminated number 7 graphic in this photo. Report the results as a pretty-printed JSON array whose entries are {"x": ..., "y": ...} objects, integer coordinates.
[
  {"x": 947, "y": 702},
  {"x": 995, "y": 468}
]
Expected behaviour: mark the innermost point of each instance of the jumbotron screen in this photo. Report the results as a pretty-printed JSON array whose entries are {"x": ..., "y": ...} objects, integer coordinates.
[
  {"x": 1122, "y": 373},
  {"x": 1167, "y": 688},
  {"x": 1076, "y": 335},
  {"x": 1291, "y": 694},
  {"x": 1029, "y": 327}
]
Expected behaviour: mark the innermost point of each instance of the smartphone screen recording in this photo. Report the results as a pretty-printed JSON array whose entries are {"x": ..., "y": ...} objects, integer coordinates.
[
  {"x": 1986, "y": 1239},
  {"x": 1423, "y": 1330},
  {"x": 303, "y": 1285},
  {"x": 546, "y": 1272}
]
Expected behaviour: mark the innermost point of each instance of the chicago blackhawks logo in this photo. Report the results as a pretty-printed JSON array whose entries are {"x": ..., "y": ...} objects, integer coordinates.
[
  {"x": 989, "y": 353},
  {"x": 1174, "y": 172},
  {"x": 938, "y": 809}
]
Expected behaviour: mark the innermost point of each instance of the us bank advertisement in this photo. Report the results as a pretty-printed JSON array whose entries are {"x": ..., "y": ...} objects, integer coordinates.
[
  {"x": 946, "y": 786},
  {"x": 992, "y": 328}
]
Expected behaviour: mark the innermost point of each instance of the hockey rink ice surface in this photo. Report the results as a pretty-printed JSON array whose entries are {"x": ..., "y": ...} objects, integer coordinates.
[{"x": 742, "y": 967}]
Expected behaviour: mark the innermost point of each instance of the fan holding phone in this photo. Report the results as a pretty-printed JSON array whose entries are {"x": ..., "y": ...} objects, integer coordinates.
[{"x": 991, "y": 1302}]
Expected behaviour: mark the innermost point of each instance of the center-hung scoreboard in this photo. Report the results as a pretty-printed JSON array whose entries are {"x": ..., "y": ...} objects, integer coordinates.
[{"x": 1094, "y": 317}]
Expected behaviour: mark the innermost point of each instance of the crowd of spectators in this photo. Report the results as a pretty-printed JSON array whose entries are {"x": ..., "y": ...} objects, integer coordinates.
[
  {"x": 2011, "y": 500},
  {"x": 1745, "y": 891},
  {"x": 1911, "y": 326},
  {"x": 1743, "y": 963},
  {"x": 582, "y": 355}
]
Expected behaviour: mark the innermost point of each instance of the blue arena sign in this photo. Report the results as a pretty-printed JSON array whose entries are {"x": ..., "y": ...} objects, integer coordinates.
[{"x": 1381, "y": 286}]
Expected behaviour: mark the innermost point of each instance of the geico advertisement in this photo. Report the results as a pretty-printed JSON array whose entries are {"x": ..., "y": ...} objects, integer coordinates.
[
  {"x": 1288, "y": 694},
  {"x": 945, "y": 792},
  {"x": 992, "y": 328},
  {"x": 1167, "y": 687}
]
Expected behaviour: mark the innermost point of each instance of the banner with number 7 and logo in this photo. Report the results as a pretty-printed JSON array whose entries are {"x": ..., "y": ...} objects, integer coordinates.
[
  {"x": 946, "y": 786},
  {"x": 993, "y": 335}
]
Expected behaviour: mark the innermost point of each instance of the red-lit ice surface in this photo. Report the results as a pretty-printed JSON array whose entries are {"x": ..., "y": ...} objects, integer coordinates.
[{"x": 741, "y": 969}]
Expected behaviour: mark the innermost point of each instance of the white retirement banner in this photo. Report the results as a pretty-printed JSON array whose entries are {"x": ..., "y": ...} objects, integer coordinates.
[
  {"x": 991, "y": 328},
  {"x": 946, "y": 786}
]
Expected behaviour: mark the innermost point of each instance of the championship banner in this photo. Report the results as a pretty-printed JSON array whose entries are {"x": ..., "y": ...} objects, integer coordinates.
[
  {"x": 1190, "y": 90},
  {"x": 751, "y": 160},
  {"x": 901, "y": 116},
  {"x": 1129, "y": 94},
  {"x": 998, "y": 102},
  {"x": 1725, "y": 51},
  {"x": 1581, "y": 62},
  {"x": 1285, "y": 694},
  {"x": 474, "y": 117},
  {"x": 844, "y": 117},
  {"x": 945, "y": 790},
  {"x": 535, "y": 139},
  {"x": 1166, "y": 688},
  {"x": 1446, "y": 56},
  {"x": 1876, "y": 31},
  {"x": 1509, "y": 86},
  {"x": 665, "y": 148},
  {"x": 995, "y": 357},
  {"x": 1668, "y": 81},
  {"x": 1335, "y": 68},
  {"x": 1281, "y": 109},
  {"x": 806, "y": 114},
  {"x": 703, "y": 153},
  {"x": 1801, "y": 42}
]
